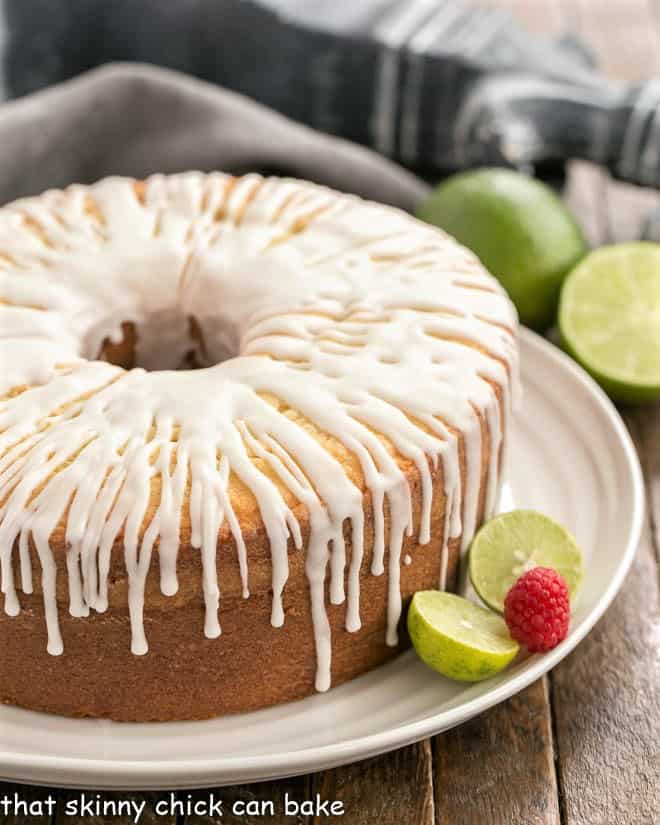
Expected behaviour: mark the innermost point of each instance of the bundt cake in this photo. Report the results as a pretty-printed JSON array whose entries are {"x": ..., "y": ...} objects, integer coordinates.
[{"x": 242, "y": 420}]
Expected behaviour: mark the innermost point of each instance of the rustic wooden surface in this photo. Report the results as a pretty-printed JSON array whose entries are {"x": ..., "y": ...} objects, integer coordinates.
[{"x": 581, "y": 747}]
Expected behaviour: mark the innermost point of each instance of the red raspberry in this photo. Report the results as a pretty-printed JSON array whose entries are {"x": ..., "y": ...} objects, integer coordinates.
[{"x": 537, "y": 609}]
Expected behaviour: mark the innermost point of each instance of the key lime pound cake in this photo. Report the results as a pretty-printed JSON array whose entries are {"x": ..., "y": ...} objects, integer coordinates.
[{"x": 242, "y": 420}]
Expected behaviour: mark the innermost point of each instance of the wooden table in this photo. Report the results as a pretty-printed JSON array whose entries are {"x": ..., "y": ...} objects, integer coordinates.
[{"x": 581, "y": 746}]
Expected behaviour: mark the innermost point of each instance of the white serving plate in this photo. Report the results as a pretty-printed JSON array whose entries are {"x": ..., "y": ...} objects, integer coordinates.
[{"x": 571, "y": 457}]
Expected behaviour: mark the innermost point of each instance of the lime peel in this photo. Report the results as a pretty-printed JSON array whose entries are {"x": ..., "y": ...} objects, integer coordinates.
[{"x": 458, "y": 638}]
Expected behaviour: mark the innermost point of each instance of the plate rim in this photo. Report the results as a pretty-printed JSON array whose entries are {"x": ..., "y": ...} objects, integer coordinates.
[{"x": 217, "y": 771}]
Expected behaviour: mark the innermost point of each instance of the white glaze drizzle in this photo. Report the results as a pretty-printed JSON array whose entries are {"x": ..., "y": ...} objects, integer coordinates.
[{"x": 355, "y": 315}]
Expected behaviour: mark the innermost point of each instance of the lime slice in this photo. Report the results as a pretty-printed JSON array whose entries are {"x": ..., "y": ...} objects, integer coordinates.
[
  {"x": 513, "y": 543},
  {"x": 609, "y": 319},
  {"x": 458, "y": 638},
  {"x": 522, "y": 232}
]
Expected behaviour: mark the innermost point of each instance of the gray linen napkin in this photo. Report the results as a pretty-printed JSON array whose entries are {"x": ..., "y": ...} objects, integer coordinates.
[{"x": 135, "y": 120}]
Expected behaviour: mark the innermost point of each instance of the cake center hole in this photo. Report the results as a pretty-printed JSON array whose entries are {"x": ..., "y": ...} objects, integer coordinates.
[{"x": 172, "y": 343}]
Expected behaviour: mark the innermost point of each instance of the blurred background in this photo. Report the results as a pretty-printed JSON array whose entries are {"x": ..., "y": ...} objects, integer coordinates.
[
  {"x": 434, "y": 84},
  {"x": 558, "y": 90}
]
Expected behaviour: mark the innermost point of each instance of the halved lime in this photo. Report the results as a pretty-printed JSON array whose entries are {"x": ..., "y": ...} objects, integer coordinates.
[
  {"x": 458, "y": 638},
  {"x": 513, "y": 543},
  {"x": 609, "y": 319},
  {"x": 519, "y": 228}
]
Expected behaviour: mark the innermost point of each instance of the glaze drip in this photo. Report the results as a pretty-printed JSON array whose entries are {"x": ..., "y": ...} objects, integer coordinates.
[{"x": 378, "y": 331}]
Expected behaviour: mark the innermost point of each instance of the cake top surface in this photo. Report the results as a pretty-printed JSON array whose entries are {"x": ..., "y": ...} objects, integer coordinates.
[{"x": 372, "y": 326}]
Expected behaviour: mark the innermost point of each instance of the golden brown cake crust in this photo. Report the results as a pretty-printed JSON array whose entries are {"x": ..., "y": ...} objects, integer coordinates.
[{"x": 185, "y": 676}]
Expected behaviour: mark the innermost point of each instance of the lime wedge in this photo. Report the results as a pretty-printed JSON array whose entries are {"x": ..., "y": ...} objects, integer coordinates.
[
  {"x": 609, "y": 319},
  {"x": 458, "y": 638},
  {"x": 513, "y": 543},
  {"x": 519, "y": 228}
]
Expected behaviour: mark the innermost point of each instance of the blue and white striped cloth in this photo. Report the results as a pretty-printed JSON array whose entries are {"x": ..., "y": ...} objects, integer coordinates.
[
  {"x": 436, "y": 85},
  {"x": 3, "y": 40}
]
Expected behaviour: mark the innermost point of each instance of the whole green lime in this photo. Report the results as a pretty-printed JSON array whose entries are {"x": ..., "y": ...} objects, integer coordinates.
[{"x": 518, "y": 227}]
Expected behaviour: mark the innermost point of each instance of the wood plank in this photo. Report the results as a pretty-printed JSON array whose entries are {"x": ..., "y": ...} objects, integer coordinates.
[
  {"x": 499, "y": 768},
  {"x": 628, "y": 209},
  {"x": 394, "y": 789},
  {"x": 586, "y": 195},
  {"x": 648, "y": 422},
  {"x": 606, "y": 702},
  {"x": 41, "y": 804},
  {"x": 251, "y": 797}
]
